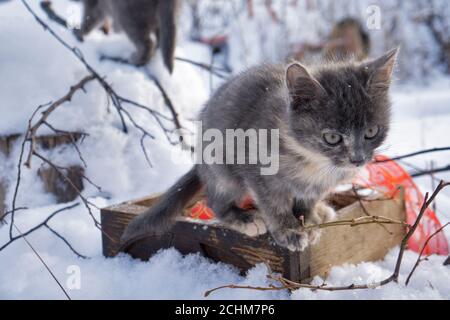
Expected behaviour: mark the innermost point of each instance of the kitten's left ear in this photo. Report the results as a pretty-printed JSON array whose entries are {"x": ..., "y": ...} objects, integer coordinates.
[
  {"x": 380, "y": 70},
  {"x": 302, "y": 86}
]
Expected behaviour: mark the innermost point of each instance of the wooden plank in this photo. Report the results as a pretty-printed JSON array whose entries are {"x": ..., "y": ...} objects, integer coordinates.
[
  {"x": 56, "y": 184},
  {"x": 2, "y": 200},
  {"x": 4, "y": 149},
  {"x": 3, "y": 146},
  {"x": 352, "y": 245}
]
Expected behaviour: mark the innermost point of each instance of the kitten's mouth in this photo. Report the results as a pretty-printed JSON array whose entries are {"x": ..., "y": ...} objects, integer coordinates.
[
  {"x": 359, "y": 165},
  {"x": 354, "y": 166}
]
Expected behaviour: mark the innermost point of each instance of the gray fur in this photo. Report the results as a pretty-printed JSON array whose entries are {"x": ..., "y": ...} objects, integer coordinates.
[
  {"x": 139, "y": 19},
  {"x": 303, "y": 104}
]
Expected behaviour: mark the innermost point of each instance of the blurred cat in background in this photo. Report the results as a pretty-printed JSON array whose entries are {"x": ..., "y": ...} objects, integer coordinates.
[{"x": 147, "y": 23}]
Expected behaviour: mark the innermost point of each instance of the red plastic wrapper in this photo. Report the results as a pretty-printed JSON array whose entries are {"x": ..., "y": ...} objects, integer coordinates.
[{"x": 386, "y": 177}]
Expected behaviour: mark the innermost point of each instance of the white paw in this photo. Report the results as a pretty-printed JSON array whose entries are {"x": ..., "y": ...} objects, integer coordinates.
[
  {"x": 260, "y": 225},
  {"x": 252, "y": 229},
  {"x": 302, "y": 244},
  {"x": 325, "y": 212}
]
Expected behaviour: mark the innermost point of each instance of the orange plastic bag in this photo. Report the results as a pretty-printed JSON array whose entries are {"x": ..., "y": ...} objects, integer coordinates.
[{"x": 385, "y": 177}]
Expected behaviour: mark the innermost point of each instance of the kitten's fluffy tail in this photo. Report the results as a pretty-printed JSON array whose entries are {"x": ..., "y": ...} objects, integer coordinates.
[
  {"x": 168, "y": 30},
  {"x": 160, "y": 217}
]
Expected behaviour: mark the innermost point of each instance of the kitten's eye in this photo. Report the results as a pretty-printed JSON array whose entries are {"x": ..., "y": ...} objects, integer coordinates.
[
  {"x": 371, "y": 132},
  {"x": 332, "y": 138}
]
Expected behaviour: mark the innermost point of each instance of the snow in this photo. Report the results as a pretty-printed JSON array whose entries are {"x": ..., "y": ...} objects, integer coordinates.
[{"x": 35, "y": 69}]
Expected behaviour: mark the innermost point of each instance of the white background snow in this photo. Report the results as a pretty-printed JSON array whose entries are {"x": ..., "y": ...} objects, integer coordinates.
[{"x": 35, "y": 69}]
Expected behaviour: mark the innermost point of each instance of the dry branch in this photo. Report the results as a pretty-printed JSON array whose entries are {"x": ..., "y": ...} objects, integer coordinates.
[
  {"x": 357, "y": 222},
  {"x": 417, "y": 153},
  {"x": 40, "y": 225},
  {"x": 61, "y": 287},
  {"x": 218, "y": 72},
  {"x": 32, "y": 129},
  {"x": 419, "y": 172},
  {"x": 420, "y": 259}
]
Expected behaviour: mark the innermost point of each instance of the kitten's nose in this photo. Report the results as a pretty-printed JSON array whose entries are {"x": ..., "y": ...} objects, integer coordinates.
[{"x": 357, "y": 161}]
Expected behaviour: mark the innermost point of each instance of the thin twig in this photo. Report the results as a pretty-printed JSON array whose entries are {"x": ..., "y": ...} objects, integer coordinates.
[
  {"x": 218, "y": 72},
  {"x": 32, "y": 130},
  {"x": 431, "y": 171},
  {"x": 356, "y": 222},
  {"x": 419, "y": 259},
  {"x": 22, "y": 236},
  {"x": 413, "y": 154},
  {"x": 65, "y": 241}
]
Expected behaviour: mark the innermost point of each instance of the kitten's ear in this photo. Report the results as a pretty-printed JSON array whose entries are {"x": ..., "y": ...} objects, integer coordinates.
[
  {"x": 380, "y": 71},
  {"x": 301, "y": 85}
]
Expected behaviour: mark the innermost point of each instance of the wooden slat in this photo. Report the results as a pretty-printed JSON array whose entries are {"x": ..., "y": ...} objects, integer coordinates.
[{"x": 371, "y": 242}]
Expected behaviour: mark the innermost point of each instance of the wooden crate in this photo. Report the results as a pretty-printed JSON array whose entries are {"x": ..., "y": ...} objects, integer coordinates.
[{"x": 337, "y": 245}]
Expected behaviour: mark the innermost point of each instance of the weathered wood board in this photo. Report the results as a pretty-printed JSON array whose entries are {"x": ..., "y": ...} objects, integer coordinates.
[
  {"x": 2, "y": 200},
  {"x": 53, "y": 181},
  {"x": 338, "y": 245}
]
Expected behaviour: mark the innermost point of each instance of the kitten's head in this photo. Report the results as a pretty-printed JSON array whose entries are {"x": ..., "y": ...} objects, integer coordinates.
[{"x": 341, "y": 112}]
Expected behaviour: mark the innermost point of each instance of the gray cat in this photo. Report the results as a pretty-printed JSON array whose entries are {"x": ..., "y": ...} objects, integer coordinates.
[
  {"x": 141, "y": 20},
  {"x": 331, "y": 119}
]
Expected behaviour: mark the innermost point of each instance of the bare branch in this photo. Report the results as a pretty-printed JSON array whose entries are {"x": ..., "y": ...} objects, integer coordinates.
[
  {"x": 43, "y": 262},
  {"x": 218, "y": 72},
  {"x": 419, "y": 259},
  {"x": 65, "y": 241},
  {"x": 417, "y": 153},
  {"x": 32, "y": 129},
  {"x": 51, "y": 216}
]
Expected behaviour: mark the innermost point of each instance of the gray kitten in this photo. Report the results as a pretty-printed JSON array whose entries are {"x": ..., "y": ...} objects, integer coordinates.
[
  {"x": 331, "y": 119},
  {"x": 139, "y": 19}
]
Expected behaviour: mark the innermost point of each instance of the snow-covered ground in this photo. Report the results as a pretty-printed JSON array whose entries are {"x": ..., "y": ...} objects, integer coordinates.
[{"x": 35, "y": 69}]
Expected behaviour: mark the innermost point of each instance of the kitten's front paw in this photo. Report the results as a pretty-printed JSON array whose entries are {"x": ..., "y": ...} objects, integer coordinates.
[
  {"x": 322, "y": 213},
  {"x": 254, "y": 228},
  {"x": 294, "y": 240}
]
